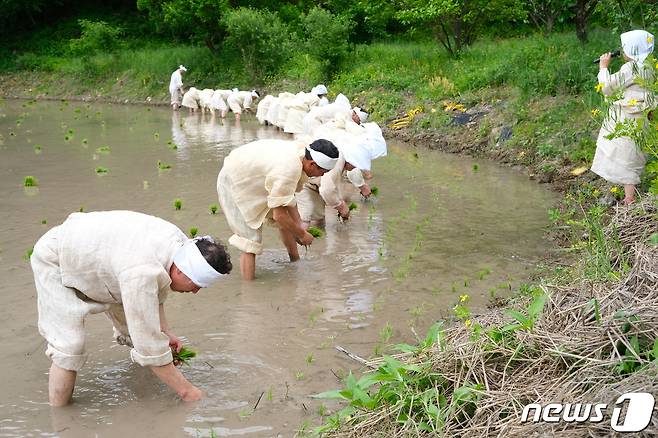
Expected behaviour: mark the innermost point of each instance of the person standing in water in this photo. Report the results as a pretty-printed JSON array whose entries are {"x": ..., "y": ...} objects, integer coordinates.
[
  {"x": 176, "y": 87},
  {"x": 122, "y": 263}
]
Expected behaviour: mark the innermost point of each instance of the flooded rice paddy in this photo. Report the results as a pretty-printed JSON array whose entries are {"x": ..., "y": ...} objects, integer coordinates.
[{"x": 442, "y": 226}]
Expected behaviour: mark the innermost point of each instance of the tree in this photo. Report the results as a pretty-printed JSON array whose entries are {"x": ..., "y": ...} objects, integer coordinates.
[
  {"x": 624, "y": 15},
  {"x": 456, "y": 23},
  {"x": 195, "y": 19},
  {"x": 546, "y": 13},
  {"x": 326, "y": 38},
  {"x": 584, "y": 9},
  {"x": 263, "y": 41}
]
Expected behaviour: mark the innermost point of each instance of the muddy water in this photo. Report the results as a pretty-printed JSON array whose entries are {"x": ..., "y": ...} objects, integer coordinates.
[{"x": 440, "y": 228}]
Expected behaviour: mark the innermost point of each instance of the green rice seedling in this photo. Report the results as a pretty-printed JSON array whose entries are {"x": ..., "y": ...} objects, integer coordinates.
[
  {"x": 163, "y": 166},
  {"x": 30, "y": 181},
  {"x": 44, "y": 221},
  {"x": 193, "y": 232},
  {"x": 81, "y": 209},
  {"x": 173, "y": 146},
  {"x": 28, "y": 254},
  {"x": 352, "y": 206},
  {"x": 178, "y": 204},
  {"x": 70, "y": 132},
  {"x": 77, "y": 110},
  {"x": 156, "y": 136},
  {"x": 475, "y": 167},
  {"x": 101, "y": 170},
  {"x": 84, "y": 141},
  {"x": 103, "y": 150},
  {"x": 386, "y": 333},
  {"x": 374, "y": 190},
  {"x": 12, "y": 134},
  {"x": 213, "y": 208},
  {"x": 315, "y": 232},
  {"x": 146, "y": 185},
  {"x": 37, "y": 148},
  {"x": 18, "y": 122},
  {"x": 67, "y": 137},
  {"x": 184, "y": 356},
  {"x": 299, "y": 375},
  {"x": 309, "y": 358}
]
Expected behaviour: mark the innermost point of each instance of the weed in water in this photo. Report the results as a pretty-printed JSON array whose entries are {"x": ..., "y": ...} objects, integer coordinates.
[
  {"x": 213, "y": 208},
  {"x": 30, "y": 181},
  {"x": 193, "y": 232},
  {"x": 315, "y": 232},
  {"x": 178, "y": 204},
  {"x": 386, "y": 333},
  {"x": 101, "y": 170},
  {"x": 163, "y": 166},
  {"x": 184, "y": 356}
]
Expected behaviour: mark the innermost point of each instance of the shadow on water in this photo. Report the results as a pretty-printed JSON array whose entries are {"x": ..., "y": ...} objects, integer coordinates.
[{"x": 400, "y": 262}]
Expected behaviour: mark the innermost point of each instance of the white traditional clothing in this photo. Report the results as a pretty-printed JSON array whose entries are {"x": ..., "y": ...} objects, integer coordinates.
[
  {"x": 262, "y": 108},
  {"x": 297, "y": 110},
  {"x": 319, "y": 115},
  {"x": 284, "y": 107},
  {"x": 254, "y": 179},
  {"x": 115, "y": 262},
  {"x": 620, "y": 160},
  {"x": 240, "y": 100},
  {"x": 358, "y": 146},
  {"x": 205, "y": 98},
  {"x": 273, "y": 111},
  {"x": 176, "y": 85},
  {"x": 218, "y": 100},
  {"x": 191, "y": 99}
]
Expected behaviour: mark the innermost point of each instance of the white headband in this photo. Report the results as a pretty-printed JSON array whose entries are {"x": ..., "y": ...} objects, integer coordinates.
[
  {"x": 254, "y": 94},
  {"x": 363, "y": 116},
  {"x": 182, "y": 67},
  {"x": 189, "y": 260},
  {"x": 321, "y": 159}
]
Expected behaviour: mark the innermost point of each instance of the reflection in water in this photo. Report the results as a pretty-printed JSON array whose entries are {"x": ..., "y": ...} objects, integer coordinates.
[{"x": 401, "y": 259}]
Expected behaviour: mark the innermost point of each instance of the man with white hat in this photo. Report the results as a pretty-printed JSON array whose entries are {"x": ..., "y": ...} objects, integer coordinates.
[
  {"x": 321, "y": 91},
  {"x": 176, "y": 87},
  {"x": 241, "y": 100},
  {"x": 122, "y": 263},
  {"x": 258, "y": 182}
]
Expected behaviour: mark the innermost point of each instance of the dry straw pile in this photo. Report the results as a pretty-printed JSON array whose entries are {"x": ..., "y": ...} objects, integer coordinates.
[{"x": 593, "y": 342}]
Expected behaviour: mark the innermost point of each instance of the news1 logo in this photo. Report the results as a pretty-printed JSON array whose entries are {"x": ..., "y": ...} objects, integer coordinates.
[{"x": 638, "y": 412}]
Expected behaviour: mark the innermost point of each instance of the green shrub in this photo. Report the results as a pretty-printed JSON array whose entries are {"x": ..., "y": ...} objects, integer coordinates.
[
  {"x": 96, "y": 36},
  {"x": 260, "y": 37},
  {"x": 326, "y": 38}
]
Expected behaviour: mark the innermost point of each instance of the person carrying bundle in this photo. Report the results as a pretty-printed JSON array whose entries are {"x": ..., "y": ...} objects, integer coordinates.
[
  {"x": 122, "y": 263},
  {"x": 257, "y": 183}
]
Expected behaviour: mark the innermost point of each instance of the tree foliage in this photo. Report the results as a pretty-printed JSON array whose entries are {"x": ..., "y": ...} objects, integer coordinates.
[
  {"x": 545, "y": 14},
  {"x": 326, "y": 38},
  {"x": 263, "y": 40},
  {"x": 96, "y": 36},
  {"x": 456, "y": 23}
]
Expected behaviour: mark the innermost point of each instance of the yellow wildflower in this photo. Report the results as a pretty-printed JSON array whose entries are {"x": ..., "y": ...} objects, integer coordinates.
[
  {"x": 632, "y": 102},
  {"x": 649, "y": 39},
  {"x": 433, "y": 110},
  {"x": 595, "y": 112},
  {"x": 468, "y": 323},
  {"x": 463, "y": 298},
  {"x": 614, "y": 189},
  {"x": 598, "y": 87},
  {"x": 596, "y": 193}
]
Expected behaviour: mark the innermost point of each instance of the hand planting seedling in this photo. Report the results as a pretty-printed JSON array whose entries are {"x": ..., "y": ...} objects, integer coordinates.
[
  {"x": 178, "y": 204},
  {"x": 184, "y": 356},
  {"x": 315, "y": 232}
]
